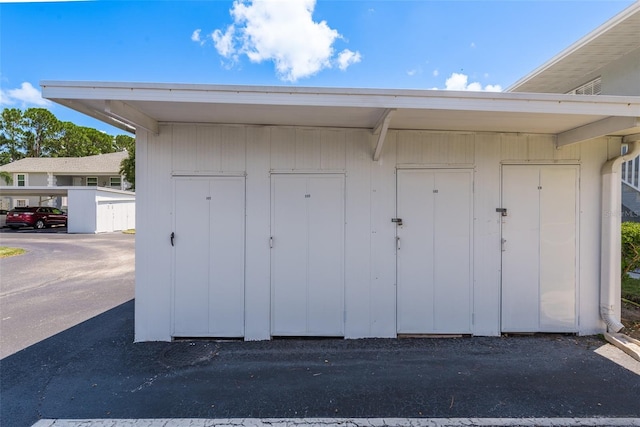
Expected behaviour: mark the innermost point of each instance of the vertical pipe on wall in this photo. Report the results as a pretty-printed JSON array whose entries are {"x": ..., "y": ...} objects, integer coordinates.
[{"x": 610, "y": 255}]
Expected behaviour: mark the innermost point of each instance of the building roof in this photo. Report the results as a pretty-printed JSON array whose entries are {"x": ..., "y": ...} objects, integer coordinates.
[
  {"x": 612, "y": 40},
  {"x": 147, "y": 106},
  {"x": 98, "y": 164}
]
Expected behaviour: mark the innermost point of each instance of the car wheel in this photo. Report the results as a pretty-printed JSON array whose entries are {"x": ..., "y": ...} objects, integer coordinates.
[{"x": 39, "y": 224}]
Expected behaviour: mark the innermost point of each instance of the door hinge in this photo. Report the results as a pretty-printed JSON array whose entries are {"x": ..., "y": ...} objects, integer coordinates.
[{"x": 271, "y": 242}]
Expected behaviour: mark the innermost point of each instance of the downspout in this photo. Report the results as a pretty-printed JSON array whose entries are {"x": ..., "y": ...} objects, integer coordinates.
[{"x": 610, "y": 255}]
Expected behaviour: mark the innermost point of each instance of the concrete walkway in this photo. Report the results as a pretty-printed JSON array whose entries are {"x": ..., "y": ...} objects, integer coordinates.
[{"x": 347, "y": 422}]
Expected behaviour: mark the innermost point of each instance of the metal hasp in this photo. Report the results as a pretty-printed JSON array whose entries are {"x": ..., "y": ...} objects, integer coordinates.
[
  {"x": 503, "y": 211},
  {"x": 398, "y": 221},
  {"x": 172, "y": 237}
]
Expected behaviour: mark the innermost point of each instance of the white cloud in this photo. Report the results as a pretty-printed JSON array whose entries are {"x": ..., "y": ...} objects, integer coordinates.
[
  {"x": 25, "y": 95},
  {"x": 224, "y": 42},
  {"x": 347, "y": 58},
  {"x": 458, "y": 81},
  {"x": 282, "y": 31},
  {"x": 472, "y": 45},
  {"x": 195, "y": 36},
  {"x": 436, "y": 73}
]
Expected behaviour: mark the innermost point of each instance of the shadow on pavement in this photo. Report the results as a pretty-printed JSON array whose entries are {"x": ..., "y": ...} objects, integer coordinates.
[{"x": 94, "y": 370}]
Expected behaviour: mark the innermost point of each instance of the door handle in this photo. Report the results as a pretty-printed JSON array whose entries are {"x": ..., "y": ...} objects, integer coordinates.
[
  {"x": 172, "y": 237},
  {"x": 502, "y": 243},
  {"x": 398, "y": 243}
]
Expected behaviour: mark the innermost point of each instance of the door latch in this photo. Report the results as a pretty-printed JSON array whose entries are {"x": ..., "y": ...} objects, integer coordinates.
[
  {"x": 502, "y": 244},
  {"x": 172, "y": 238},
  {"x": 503, "y": 211},
  {"x": 398, "y": 221}
]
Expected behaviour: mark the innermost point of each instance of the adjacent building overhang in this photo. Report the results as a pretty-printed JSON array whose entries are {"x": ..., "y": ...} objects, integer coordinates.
[
  {"x": 131, "y": 106},
  {"x": 612, "y": 40},
  {"x": 62, "y": 191}
]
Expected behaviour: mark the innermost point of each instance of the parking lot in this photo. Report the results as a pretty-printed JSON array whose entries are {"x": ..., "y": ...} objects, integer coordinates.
[{"x": 62, "y": 280}]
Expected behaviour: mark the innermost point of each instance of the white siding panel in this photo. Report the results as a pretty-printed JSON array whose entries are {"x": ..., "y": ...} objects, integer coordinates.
[
  {"x": 333, "y": 146},
  {"x": 308, "y": 149},
  {"x": 513, "y": 147},
  {"x": 410, "y": 147},
  {"x": 208, "y": 149},
  {"x": 153, "y": 253},
  {"x": 540, "y": 147},
  {"x": 232, "y": 149},
  {"x": 257, "y": 286},
  {"x": 383, "y": 241},
  {"x": 435, "y": 148},
  {"x": 283, "y": 149},
  {"x": 594, "y": 154},
  {"x": 486, "y": 293},
  {"x": 183, "y": 156},
  {"x": 358, "y": 237},
  {"x": 568, "y": 152}
]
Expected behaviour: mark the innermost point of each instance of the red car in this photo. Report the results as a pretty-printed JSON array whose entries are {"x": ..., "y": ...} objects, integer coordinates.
[{"x": 36, "y": 217}]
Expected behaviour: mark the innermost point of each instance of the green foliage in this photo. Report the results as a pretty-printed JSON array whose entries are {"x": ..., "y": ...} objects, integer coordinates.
[
  {"x": 37, "y": 132},
  {"x": 41, "y": 130},
  {"x": 125, "y": 142},
  {"x": 6, "y": 177},
  {"x": 11, "y": 135},
  {"x": 6, "y": 251},
  {"x": 630, "y": 232},
  {"x": 128, "y": 167},
  {"x": 631, "y": 289}
]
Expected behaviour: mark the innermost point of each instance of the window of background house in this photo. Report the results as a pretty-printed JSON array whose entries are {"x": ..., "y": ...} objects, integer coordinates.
[
  {"x": 92, "y": 181},
  {"x": 115, "y": 182},
  {"x": 21, "y": 180},
  {"x": 590, "y": 88},
  {"x": 20, "y": 203}
]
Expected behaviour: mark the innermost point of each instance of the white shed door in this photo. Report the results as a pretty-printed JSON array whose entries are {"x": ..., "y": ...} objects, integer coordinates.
[
  {"x": 539, "y": 258},
  {"x": 307, "y": 255},
  {"x": 434, "y": 251},
  {"x": 209, "y": 257}
]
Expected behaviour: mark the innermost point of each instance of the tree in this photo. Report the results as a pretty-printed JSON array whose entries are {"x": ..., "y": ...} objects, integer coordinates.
[
  {"x": 11, "y": 135},
  {"x": 128, "y": 167},
  {"x": 125, "y": 142},
  {"x": 42, "y": 131}
]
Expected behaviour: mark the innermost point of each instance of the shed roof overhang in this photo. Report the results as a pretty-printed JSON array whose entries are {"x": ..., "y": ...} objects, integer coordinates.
[{"x": 131, "y": 106}]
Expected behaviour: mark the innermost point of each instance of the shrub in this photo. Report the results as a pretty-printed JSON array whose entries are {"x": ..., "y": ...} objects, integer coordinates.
[{"x": 630, "y": 247}]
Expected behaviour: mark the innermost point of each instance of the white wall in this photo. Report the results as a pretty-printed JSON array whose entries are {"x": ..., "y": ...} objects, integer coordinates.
[
  {"x": 99, "y": 210},
  {"x": 370, "y": 267}
]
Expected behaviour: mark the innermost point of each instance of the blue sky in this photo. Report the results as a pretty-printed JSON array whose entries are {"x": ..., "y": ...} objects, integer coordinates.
[{"x": 460, "y": 45}]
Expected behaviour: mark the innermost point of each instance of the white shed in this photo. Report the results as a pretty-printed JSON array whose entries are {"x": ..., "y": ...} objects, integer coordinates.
[
  {"x": 100, "y": 210},
  {"x": 281, "y": 211}
]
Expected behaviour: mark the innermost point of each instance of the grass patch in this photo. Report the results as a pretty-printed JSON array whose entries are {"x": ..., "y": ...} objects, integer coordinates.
[
  {"x": 129, "y": 231},
  {"x": 6, "y": 252},
  {"x": 631, "y": 289}
]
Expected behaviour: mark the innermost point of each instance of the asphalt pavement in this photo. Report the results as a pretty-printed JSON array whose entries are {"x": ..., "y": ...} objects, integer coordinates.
[{"x": 94, "y": 370}]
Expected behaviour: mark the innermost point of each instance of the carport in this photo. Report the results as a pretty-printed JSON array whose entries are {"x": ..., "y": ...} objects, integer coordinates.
[{"x": 90, "y": 209}]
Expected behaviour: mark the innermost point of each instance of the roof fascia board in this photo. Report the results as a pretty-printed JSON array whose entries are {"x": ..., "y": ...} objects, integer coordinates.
[
  {"x": 597, "y": 129},
  {"x": 593, "y": 35},
  {"x": 422, "y": 100},
  {"x": 128, "y": 114}
]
